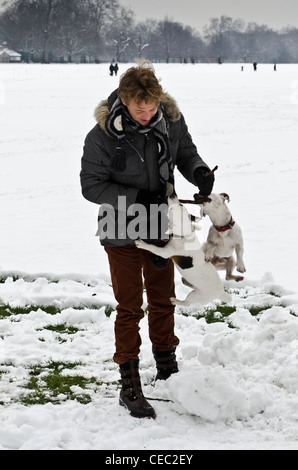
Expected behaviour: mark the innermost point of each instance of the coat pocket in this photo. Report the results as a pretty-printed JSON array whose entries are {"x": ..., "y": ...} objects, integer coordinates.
[{"x": 125, "y": 161}]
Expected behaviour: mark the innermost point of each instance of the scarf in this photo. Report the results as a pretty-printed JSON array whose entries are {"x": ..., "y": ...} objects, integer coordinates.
[{"x": 119, "y": 117}]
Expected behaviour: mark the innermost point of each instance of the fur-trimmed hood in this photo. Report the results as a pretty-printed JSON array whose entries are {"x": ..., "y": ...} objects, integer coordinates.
[{"x": 102, "y": 111}]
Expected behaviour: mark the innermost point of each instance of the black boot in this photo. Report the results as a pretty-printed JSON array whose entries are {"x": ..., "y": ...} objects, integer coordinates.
[
  {"x": 166, "y": 363},
  {"x": 131, "y": 395}
]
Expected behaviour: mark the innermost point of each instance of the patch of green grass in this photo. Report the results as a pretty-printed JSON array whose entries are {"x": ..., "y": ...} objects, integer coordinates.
[
  {"x": 255, "y": 311},
  {"x": 15, "y": 276},
  {"x": 213, "y": 314},
  {"x": 8, "y": 310},
  {"x": 221, "y": 313},
  {"x": 4, "y": 312},
  {"x": 62, "y": 328},
  {"x": 28, "y": 278},
  {"x": 49, "y": 384},
  {"x": 109, "y": 310}
]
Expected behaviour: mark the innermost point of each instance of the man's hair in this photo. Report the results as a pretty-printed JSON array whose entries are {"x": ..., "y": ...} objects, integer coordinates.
[{"x": 139, "y": 84}]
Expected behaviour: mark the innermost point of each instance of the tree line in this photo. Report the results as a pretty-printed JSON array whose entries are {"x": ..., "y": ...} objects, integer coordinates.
[{"x": 103, "y": 30}]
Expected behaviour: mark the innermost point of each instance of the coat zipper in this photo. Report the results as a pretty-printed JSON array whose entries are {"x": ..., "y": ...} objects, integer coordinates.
[{"x": 136, "y": 150}]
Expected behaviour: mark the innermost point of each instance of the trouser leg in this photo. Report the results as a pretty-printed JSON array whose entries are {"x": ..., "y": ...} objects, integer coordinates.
[
  {"x": 160, "y": 287},
  {"x": 126, "y": 265},
  {"x": 126, "y": 275}
]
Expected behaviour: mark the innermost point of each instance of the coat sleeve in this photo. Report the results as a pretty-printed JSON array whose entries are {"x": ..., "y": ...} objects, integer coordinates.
[
  {"x": 187, "y": 158},
  {"x": 96, "y": 183}
]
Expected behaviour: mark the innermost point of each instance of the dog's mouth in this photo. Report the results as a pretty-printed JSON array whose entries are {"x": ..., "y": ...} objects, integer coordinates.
[
  {"x": 202, "y": 201},
  {"x": 199, "y": 199}
]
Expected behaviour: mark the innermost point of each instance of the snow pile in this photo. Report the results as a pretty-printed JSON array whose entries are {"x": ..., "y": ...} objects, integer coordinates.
[{"x": 236, "y": 374}]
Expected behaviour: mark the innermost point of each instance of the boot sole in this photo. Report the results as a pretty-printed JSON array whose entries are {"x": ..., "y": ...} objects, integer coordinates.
[{"x": 136, "y": 415}]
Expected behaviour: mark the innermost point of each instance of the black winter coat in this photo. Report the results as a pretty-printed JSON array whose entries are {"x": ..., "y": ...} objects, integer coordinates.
[{"x": 103, "y": 186}]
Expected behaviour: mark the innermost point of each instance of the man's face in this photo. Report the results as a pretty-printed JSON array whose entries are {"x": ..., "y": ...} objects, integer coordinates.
[{"x": 142, "y": 112}]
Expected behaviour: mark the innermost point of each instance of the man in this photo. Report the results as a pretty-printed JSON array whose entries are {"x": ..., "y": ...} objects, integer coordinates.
[{"x": 128, "y": 162}]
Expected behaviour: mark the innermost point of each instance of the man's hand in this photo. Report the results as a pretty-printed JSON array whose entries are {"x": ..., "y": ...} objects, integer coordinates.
[{"x": 205, "y": 180}]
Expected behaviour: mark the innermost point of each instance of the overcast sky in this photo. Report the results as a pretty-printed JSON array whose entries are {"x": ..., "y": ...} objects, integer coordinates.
[{"x": 196, "y": 13}]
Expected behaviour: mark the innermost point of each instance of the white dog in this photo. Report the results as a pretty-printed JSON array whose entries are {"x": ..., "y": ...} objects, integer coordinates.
[
  {"x": 187, "y": 253},
  {"x": 224, "y": 237}
]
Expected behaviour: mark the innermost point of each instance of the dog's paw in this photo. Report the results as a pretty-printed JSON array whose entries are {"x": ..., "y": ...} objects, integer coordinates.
[
  {"x": 241, "y": 269},
  {"x": 208, "y": 254}
]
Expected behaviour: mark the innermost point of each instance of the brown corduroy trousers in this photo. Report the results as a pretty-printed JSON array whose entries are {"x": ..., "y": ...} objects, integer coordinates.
[{"x": 128, "y": 266}]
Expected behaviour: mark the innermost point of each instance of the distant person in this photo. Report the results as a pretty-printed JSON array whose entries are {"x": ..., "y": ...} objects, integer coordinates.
[
  {"x": 111, "y": 68},
  {"x": 116, "y": 68},
  {"x": 274, "y": 68},
  {"x": 255, "y": 66}
]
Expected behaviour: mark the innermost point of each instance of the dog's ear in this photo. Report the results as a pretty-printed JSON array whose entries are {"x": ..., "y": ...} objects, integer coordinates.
[{"x": 225, "y": 196}]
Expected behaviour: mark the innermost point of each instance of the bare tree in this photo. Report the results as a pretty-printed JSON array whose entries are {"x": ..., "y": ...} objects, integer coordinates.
[
  {"x": 120, "y": 35},
  {"x": 190, "y": 45},
  {"x": 64, "y": 25},
  {"x": 102, "y": 29},
  {"x": 289, "y": 44},
  {"x": 261, "y": 42},
  {"x": 168, "y": 35},
  {"x": 47, "y": 14},
  {"x": 31, "y": 25},
  {"x": 19, "y": 22},
  {"x": 74, "y": 35},
  {"x": 141, "y": 37},
  {"x": 101, "y": 14},
  {"x": 219, "y": 33}
]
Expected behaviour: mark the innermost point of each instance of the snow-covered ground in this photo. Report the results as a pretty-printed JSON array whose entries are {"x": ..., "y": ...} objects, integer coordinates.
[{"x": 237, "y": 388}]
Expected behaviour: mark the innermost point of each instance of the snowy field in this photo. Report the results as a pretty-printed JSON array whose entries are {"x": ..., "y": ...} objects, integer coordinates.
[{"x": 237, "y": 387}]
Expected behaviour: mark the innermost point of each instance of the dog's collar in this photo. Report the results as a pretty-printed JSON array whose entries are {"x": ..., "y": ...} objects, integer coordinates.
[{"x": 225, "y": 227}]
